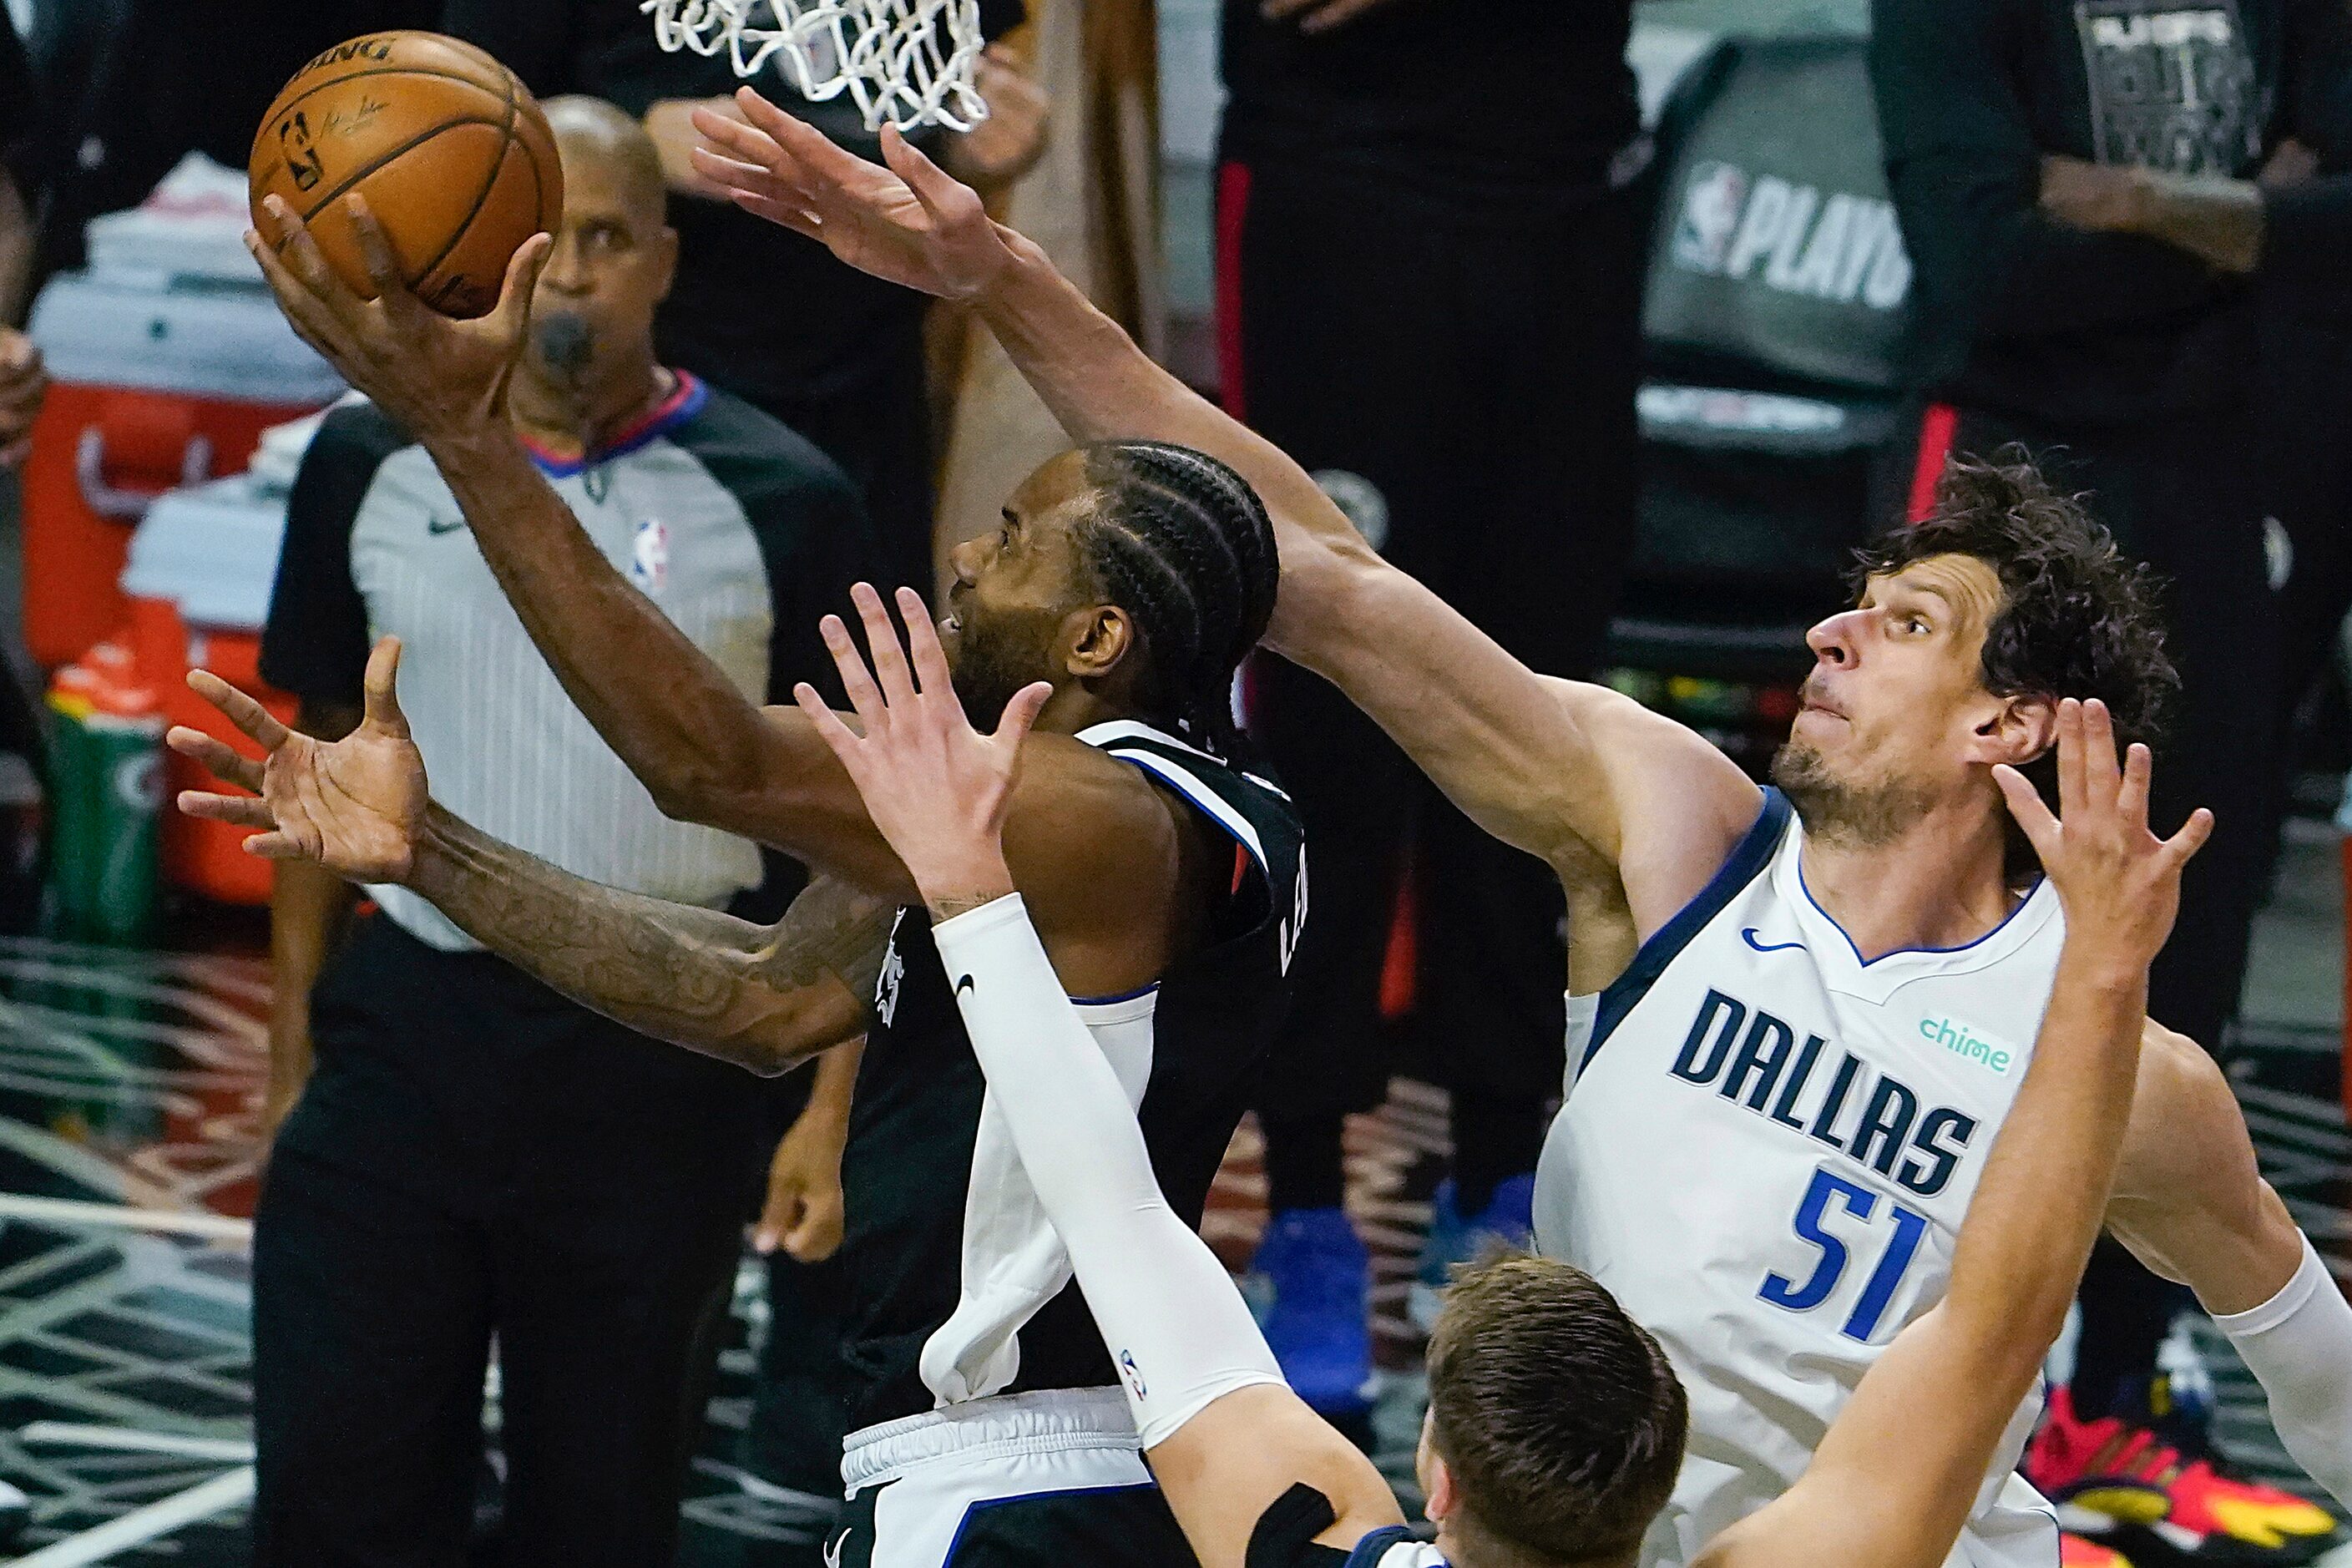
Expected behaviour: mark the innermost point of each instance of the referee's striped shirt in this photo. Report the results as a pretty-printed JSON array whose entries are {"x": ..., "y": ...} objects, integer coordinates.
[{"x": 741, "y": 530}]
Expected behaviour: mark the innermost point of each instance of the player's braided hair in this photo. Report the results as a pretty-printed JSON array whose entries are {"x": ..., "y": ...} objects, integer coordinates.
[{"x": 1182, "y": 542}]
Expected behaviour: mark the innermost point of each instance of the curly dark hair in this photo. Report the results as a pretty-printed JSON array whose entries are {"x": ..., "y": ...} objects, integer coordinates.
[{"x": 2077, "y": 617}]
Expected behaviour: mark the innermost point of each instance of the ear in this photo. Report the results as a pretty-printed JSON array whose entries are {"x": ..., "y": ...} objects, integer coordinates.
[
  {"x": 2013, "y": 731},
  {"x": 1436, "y": 1480},
  {"x": 1097, "y": 638},
  {"x": 1443, "y": 1498}
]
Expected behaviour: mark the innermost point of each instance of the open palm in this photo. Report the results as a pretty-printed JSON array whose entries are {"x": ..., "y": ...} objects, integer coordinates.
[
  {"x": 910, "y": 222},
  {"x": 937, "y": 788},
  {"x": 354, "y": 805},
  {"x": 2118, "y": 883}
]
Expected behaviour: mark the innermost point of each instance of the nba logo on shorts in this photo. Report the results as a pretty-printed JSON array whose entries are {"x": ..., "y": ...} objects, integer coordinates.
[
  {"x": 1712, "y": 203},
  {"x": 649, "y": 559},
  {"x": 1133, "y": 1372}
]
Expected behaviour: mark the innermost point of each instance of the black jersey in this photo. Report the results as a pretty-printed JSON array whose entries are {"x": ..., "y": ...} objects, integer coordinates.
[{"x": 959, "y": 1287}]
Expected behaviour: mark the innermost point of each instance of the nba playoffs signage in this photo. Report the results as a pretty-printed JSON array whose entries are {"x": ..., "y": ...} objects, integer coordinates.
[
  {"x": 1834, "y": 246},
  {"x": 1777, "y": 244}
]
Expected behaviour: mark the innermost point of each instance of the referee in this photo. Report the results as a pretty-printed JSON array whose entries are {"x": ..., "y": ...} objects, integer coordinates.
[
  {"x": 473, "y": 1159},
  {"x": 1435, "y": 310}
]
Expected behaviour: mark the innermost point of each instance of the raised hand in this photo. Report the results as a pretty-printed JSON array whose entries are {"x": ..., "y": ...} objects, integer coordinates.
[
  {"x": 354, "y": 805},
  {"x": 432, "y": 373},
  {"x": 936, "y": 787},
  {"x": 910, "y": 222},
  {"x": 2118, "y": 883}
]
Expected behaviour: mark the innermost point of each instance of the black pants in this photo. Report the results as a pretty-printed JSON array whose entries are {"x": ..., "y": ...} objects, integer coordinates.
[
  {"x": 478, "y": 1161},
  {"x": 1466, "y": 393},
  {"x": 2307, "y": 401},
  {"x": 2183, "y": 495},
  {"x": 800, "y": 1403}
]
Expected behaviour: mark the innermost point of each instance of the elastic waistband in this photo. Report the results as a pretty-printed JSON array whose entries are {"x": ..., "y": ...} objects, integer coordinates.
[{"x": 1047, "y": 1421}]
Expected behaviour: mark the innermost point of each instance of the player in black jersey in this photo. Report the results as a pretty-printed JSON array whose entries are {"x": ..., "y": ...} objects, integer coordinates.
[
  {"x": 1132, "y": 577},
  {"x": 1556, "y": 1424}
]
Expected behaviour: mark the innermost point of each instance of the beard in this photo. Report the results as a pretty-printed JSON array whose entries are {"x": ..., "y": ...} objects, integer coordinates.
[
  {"x": 993, "y": 661},
  {"x": 1837, "y": 811}
]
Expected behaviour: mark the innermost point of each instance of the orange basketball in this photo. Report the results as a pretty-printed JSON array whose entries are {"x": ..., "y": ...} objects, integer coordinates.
[{"x": 450, "y": 150}]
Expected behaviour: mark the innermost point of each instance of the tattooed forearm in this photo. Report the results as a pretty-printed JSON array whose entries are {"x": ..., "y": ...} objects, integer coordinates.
[{"x": 764, "y": 997}]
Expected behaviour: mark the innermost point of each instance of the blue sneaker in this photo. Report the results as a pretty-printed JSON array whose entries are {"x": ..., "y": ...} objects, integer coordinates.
[
  {"x": 1508, "y": 1221},
  {"x": 1314, "y": 1279}
]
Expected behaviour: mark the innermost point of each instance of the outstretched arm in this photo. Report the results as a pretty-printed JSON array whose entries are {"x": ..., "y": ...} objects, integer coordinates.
[
  {"x": 704, "y": 750},
  {"x": 1086, "y": 830},
  {"x": 1535, "y": 760},
  {"x": 1224, "y": 1435},
  {"x": 1885, "y": 1489},
  {"x": 765, "y": 998},
  {"x": 2191, "y": 1201}
]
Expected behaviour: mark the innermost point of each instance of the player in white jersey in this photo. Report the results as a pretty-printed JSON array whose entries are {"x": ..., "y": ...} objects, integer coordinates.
[
  {"x": 1555, "y": 1422},
  {"x": 1968, "y": 631}
]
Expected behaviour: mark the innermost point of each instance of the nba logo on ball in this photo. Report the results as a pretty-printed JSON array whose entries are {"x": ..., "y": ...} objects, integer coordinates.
[
  {"x": 649, "y": 557},
  {"x": 1712, "y": 203}
]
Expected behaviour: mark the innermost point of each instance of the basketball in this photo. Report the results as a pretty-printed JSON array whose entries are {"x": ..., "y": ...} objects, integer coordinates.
[{"x": 450, "y": 148}]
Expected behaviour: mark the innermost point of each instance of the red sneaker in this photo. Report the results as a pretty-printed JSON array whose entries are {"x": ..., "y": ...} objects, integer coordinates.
[{"x": 2121, "y": 1485}]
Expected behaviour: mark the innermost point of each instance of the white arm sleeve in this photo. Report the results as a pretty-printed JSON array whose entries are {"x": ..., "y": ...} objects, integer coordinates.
[
  {"x": 2299, "y": 1346},
  {"x": 1175, "y": 1325}
]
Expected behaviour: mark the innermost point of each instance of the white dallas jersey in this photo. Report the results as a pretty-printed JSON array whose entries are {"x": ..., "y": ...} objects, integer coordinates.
[{"x": 1766, "y": 1152}]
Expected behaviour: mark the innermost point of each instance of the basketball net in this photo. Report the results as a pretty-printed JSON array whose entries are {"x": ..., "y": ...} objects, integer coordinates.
[{"x": 907, "y": 63}]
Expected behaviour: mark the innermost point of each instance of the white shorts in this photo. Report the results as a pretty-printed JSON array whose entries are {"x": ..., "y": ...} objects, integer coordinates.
[{"x": 1022, "y": 1479}]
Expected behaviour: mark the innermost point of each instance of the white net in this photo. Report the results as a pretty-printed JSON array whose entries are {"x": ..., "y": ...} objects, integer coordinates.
[{"x": 907, "y": 63}]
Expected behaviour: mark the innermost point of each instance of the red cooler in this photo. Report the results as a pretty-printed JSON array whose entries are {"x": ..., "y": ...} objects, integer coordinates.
[
  {"x": 160, "y": 378},
  {"x": 198, "y": 589}
]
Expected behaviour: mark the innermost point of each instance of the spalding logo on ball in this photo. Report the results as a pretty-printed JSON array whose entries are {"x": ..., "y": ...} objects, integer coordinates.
[{"x": 448, "y": 147}]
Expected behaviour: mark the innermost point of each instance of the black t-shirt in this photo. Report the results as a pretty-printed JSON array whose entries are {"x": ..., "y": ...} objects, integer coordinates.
[
  {"x": 1465, "y": 99},
  {"x": 2024, "y": 317},
  {"x": 764, "y": 312},
  {"x": 1199, "y": 1038}
]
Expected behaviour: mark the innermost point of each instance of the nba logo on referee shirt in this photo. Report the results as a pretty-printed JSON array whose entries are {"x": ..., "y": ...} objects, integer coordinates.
[{"x": 649, "y": 555}]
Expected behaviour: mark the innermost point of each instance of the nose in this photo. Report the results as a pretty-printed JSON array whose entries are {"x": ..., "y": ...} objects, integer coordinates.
[
  {"x": 565, "y": 272},
  {"x": 966, "y": 560},
  {"x": 1838, "y": 639}
]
